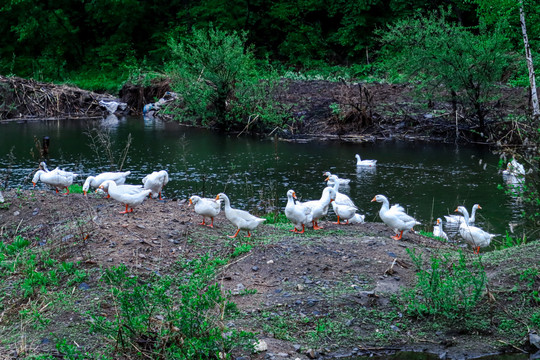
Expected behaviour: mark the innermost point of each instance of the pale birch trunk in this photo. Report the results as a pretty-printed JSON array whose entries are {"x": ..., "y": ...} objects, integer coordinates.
[{"x": 530, "y": 66}]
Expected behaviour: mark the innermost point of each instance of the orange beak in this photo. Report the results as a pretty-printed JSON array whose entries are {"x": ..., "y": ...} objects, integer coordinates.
[
  {"x": 438, "y": 221},
  {"x": 33, "y": 183},
  {"x": 456, "y": 210},
  {"x": 190, "y": 202},
  {"x": 479, "y": 207},
  {"x": 84, "y": 192},
  {"x": 328, "y": 178},
  {"x": 217, "y": 197},
  {"x": 374, "y": 199},
  {"x": 294, "y": 195}
]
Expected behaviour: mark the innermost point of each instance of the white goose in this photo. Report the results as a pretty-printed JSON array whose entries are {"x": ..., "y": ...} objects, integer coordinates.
[
  {"x": 119, "y": 193},
  {"x": 297, "y": 213},
  {"x": 124, "y": 188},
  {"x": 395, "y": 217},
  {"x": 43, "y": 166},
  {"x": 206, "y": 208},
  {"x": 340, "y": 197},
  {"x": 344, "y": 212},
  {"x": 357, "y": 219},
  {"x": 94, "y": 181},
  {"x": 360, "y": 162},
  {"x": 514, "y": 168},
  {"x": 155, "y": 182},
  {"x": 475, "y": 236},
  {"x": 438, "y": 230},
  {"x": 319, "y": 208},
  {"x": 56, "y": 179},
  {"x": 1, "y": 198},
  {"x": 458, "y": 219},
  {"x": 342, "y": 182},
  {"x": 243, "y": 220}
]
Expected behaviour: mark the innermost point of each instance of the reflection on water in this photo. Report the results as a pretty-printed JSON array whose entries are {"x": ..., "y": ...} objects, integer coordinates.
[{"x": 429, "y": 180}]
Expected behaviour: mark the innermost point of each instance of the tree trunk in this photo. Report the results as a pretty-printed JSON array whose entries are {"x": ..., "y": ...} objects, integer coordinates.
[{"x": 530, "y": 66}]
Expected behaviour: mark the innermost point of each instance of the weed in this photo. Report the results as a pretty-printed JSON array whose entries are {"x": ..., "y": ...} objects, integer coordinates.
[
  {"x": 241, "y": 249},
  {"x": 447, "y": 288},
  {"x": 171, "y": 317}
]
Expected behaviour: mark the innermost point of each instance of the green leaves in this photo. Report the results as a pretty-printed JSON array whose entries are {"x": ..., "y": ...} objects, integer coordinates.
[{"x": 450, "y": 61}]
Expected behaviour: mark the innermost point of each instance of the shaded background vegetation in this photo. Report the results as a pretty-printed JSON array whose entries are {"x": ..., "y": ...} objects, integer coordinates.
[{"x": 104, "y": 40}]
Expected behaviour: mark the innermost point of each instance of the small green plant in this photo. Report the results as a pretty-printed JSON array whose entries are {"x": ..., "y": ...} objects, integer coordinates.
[
  {"x": 430, "y": 235},
  {"x": 75, "y": 188},
  {"x": 190, "y": 310},
  {"x": 241, "y": 249},
  {"x": 276, "y": 218},
  {"x": 448, "y": 287}
]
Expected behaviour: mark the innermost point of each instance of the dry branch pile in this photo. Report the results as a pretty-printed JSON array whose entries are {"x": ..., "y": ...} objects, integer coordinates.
[{"x": 28, "y": 99}]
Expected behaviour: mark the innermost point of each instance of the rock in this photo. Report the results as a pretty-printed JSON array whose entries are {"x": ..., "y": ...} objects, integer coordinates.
[
  {"x": 67, "y": 237},
  {"x": 141, "y": 226},
  {"x": 84, "y": 286},
  {"x": 35, "y": 212},
  {"x": 16, "y": 213},
  {"x": 255, "y": 268},
  {"x": 283, "y": 355},
  {"x": 534, "y": 340},
  {"x": 270, "y": 262},
  {"x": 297, "y": 347},
  {"x": 312, "y": 354},
  {"x": 260, "y": 346}
]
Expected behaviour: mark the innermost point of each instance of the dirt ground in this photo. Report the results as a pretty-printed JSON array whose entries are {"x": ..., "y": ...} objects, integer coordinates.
[{"x": 318, "y": 274}]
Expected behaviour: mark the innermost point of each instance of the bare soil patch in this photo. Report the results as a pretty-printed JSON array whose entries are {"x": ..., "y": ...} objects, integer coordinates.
[{"x": 353, "y": 270}]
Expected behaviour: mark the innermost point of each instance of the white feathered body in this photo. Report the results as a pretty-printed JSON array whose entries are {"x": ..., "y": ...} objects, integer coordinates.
[
  {"x": 205, "y": 207},
  {"x": 242, "y": 219},
  {"x": 395, "y": 216},
  {"x": 95, "y": 181},
  {"x": 360, "y": 162},
  {"x": 345, "y": 212},
  {"x": 56, "y": 179},
  {"x": 296, "y": 212},
  {"x": 473, "y": 235},
  {"x": 125, "y": 193},
  {"x": 319, "y": 208},
  {"x": 156, "y": 181},
  {"x": 438, "y": 230}
]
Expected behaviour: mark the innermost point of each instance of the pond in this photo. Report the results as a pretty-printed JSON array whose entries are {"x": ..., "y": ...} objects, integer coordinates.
[{"x": 429, "y": 180}]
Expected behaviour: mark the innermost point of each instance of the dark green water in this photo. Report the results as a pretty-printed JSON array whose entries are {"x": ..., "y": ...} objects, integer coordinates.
[{"x": 429, "y": 180}]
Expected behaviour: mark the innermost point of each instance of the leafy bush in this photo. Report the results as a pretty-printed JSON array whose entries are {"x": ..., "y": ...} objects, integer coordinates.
[
  {"x": 217, "y": 76},
  {"x": 460, "y": 64},
  {"x": 180, "y": 318},
  {"x": 448, "y": 288}
]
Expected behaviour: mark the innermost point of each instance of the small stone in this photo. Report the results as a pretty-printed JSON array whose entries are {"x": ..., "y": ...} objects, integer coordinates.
[
  {"x": 110, "y": 260},
  {"x": 270, "y": 262},
  {"x": 142, "y": 256},
  {"x": 16, "y": 213},
  {"x": 297, "y": 347},
  {"x": 260, "y": 346},
  {"x": 35, "y": 212},
  {"x": 84, "y": 286},
  {"x": 255, "y": 268},
  {"x": 283, "y": 355},
  {"x": 312, "y": 354},
  {"x": 141, "y": 226}
]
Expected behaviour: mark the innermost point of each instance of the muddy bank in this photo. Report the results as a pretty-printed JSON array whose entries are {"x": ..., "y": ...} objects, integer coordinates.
[
  {"x": 26, "y": 99},
  {"x": 317, "y": 109},
  {"x": 323, "y": 294}
]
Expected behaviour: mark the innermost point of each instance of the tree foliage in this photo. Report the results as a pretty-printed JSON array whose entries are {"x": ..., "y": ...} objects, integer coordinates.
[
  {"x": 49, "y": 40},
  {"x": 463, "y": 65},
  {"x": 216, "y": 74}
]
